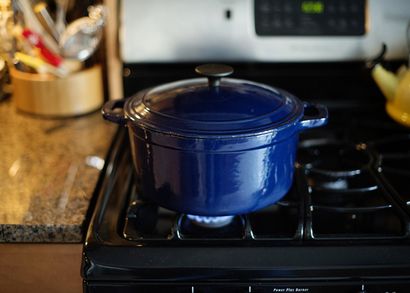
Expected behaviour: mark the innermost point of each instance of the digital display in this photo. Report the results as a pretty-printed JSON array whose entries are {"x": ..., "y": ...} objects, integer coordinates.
[
  {"x": 312, "y": 7},
  {"x": 310, "y": 17}
]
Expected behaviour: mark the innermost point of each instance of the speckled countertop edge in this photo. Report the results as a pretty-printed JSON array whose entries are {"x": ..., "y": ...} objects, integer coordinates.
[{"x": 48, "y": 174}]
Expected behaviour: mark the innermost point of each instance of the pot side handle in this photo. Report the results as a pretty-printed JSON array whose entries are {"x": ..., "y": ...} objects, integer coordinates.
[
  {"x": 114, "y": 111},
  {"x": 314, "y": 116}
]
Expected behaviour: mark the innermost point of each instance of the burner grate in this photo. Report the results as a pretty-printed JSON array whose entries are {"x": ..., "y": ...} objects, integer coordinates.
[
  {"x": 283, "y": 221},
  {"x": 341, "y": 191},
  {"x": 394, "y": 166},
  {"x": 356, "y": 224},
  {"x": 346, "y": 200}
]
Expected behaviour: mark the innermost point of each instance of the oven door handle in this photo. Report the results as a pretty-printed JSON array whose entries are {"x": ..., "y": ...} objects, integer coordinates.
[
  {"x": 114, "y": 111},
  {"x": 313, "y": 116}
]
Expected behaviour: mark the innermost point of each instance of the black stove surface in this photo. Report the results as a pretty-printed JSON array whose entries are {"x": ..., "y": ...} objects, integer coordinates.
[
  {"x": 341, "y": 191},
  {"x": 344, "y": 224}
]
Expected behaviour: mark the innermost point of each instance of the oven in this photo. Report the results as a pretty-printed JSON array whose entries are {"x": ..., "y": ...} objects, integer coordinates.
[{"x": 344, "y": 226}]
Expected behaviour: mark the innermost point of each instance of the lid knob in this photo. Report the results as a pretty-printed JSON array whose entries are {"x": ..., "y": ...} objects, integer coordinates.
[{"x": 214, "y": 72}]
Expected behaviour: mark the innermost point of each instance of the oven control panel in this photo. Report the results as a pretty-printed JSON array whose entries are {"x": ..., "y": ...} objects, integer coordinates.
[
  {"x": 389, "y": 287},
  {"x": 273, "y": 30},
  {"x": 310, "y": 17}
]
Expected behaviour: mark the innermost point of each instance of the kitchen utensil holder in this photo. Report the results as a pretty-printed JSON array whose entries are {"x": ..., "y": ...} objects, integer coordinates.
[{"x": 46, "y": 95}]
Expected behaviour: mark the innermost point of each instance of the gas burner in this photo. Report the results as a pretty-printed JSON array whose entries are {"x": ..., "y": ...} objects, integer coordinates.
[
  {"x": 334, "y": 159},
  {"x": 210, "y": 228},
  {"x": 210, "y": 222},
  {"x": 363, "y": 182}
]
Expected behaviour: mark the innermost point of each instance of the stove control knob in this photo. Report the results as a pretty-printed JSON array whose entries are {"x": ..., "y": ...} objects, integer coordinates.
[{"x": 362, "y": 290}]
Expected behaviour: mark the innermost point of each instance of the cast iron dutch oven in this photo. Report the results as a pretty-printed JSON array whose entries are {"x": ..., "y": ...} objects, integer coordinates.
[{"x": 214, "y": 146}]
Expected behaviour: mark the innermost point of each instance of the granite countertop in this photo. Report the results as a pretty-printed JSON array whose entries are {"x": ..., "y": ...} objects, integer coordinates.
[{"x": 48, "y": 172}]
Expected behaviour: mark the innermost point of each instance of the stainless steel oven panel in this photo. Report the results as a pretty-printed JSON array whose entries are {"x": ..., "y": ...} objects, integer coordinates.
[{"x": 195, "y": 30}]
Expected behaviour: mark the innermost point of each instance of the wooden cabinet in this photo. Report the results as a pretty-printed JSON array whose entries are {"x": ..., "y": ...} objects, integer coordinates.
[{"x": 33, "y": 268}]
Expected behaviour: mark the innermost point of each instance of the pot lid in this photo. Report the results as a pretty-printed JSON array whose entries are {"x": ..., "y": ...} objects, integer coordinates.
[{"x": 213, "y": 105}]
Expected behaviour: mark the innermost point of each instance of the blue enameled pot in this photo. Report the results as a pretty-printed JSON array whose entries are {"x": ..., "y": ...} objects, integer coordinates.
[{"x": 214, "y": 146}]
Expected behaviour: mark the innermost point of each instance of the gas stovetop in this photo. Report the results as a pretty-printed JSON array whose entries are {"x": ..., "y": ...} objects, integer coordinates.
[
  {"x": 351, "y": 183},
  {"x": 344, "y": 225}
]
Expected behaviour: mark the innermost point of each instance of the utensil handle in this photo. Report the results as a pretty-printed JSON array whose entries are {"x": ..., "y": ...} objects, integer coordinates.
[
  {"x": 110, "y": 112},
  {"x": 314, "y": 116}
]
